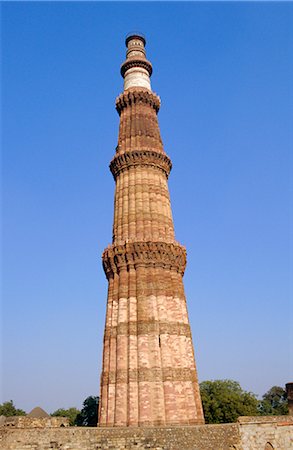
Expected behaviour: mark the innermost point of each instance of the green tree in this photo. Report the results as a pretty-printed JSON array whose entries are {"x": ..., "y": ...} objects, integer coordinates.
[
  {"x": 224, "y": 401},
  {"x": 274, "y": 402},
  {"x": 88, "y": 416},
  {"x": 71, "y": 413},
  {"x": 8, "y": 409}
]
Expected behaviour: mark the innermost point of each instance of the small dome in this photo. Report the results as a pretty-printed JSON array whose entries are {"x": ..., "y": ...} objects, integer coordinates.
[{"x": 38, "y": 413}]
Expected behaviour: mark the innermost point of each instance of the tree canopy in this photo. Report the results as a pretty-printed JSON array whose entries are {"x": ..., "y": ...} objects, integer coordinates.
[
  {"x": 8, "y": 409},
  {"x": 224, "y": 401},
  {"x": 274, "y": 402},
  {"x": 88, "y": 416},
  {"x": 71, "y": 413}
]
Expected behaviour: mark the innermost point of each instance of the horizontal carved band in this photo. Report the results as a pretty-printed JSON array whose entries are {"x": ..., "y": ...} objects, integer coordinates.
[
  {"x": 131, "y": 97},
  {"x": 145, "y": 374},
  {"x": 148, "y": 327},
  {"x": 130, "y": 63},
  {"x": 140, "y": 158},
  {"x": 143, "y": 254}
]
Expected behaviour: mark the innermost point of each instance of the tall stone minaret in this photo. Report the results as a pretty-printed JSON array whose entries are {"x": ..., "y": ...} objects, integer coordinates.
[{"x": 149, "y": 376}]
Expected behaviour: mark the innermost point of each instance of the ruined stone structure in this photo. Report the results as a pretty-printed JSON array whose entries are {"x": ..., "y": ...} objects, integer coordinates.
[
  {"x": 28, "y": 422},
  {"x": 149, "y": 376}
]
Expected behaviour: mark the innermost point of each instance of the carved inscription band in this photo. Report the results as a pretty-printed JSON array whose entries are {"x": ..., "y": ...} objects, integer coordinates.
[
  {"x": 140, "y": 158},
  {"x": 145, "y": 374},
  {"x": 155, "y": 327},
  {"x": 129, "y": 98},
  {"x": 144, "y": 63},
  {"x": 145, "y": 254}
]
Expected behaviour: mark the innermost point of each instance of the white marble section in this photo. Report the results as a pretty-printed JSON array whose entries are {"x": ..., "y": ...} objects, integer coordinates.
[{"x": 137, "y": 77}]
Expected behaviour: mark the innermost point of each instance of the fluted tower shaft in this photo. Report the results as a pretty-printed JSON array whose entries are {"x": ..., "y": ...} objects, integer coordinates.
[{"x": 149, "y": 375}]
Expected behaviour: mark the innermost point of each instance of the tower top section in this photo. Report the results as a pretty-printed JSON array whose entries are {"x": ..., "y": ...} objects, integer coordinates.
[
  {"x": 136, "y": 69},
  {"x": 135, "y": 35}
]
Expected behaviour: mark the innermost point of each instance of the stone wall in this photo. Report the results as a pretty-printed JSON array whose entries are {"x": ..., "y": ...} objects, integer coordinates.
[
  {"x": 34, "y": 422},
  {"x": 266, "y": 433},
  {"x": 250, "y": 433},
  {"x": 205, "y": 437}
]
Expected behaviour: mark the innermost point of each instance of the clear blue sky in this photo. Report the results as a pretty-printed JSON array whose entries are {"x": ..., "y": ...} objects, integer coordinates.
[{"x": 224, "y": 73}]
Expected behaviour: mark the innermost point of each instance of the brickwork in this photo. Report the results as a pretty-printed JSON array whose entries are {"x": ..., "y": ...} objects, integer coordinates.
[
  {"x": 266, "y": 433},
  {"x": 149, "y": 375},
  {"x": 250, "y": 433},
  {"x": 207, "y": 437}
]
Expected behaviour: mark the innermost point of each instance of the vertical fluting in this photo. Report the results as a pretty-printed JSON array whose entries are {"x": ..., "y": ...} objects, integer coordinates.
[
  {"x": 149, "y": 374},
  {"x": 133, "y": 397}
]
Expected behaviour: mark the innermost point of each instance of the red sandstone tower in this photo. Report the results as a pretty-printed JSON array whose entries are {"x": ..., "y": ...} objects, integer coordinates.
[{"x": 149, "y": 375}]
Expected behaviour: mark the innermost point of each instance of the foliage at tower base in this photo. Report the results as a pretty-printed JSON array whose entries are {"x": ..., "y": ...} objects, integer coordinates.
[
  {"x": 224, "y": 401},
  {"x": 274, "y": 402},
  {"x": 88, "y": 416}
]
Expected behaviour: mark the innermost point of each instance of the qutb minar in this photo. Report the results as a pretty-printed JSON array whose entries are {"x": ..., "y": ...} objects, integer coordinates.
[{"x": 149, "y": 375}]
